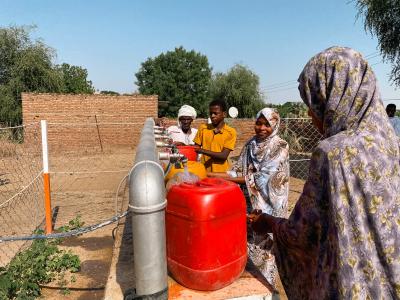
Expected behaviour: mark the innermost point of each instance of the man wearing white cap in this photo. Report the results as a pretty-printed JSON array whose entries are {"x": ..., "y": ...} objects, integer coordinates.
[{"x": 183, "y": 134}]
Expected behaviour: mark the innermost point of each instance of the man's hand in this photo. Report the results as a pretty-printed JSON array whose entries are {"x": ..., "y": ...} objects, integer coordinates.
[{"x": 198, "y": 150}]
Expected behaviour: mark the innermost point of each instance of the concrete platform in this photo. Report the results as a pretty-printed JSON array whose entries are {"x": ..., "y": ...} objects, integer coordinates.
[{"x": 249, "y": 286}]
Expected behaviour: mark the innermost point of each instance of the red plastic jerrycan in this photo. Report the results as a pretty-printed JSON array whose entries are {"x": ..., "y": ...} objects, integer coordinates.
[
  {"x": 188, "y": 151},
  {"x": 206, "y": 233}
]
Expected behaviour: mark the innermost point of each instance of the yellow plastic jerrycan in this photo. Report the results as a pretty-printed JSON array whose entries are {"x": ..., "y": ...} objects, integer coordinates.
[{"x": 194, "y": 167}]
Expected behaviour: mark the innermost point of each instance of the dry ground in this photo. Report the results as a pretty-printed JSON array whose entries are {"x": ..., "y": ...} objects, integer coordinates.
[
  {"x": 82, "y": 190},
  {"x": 92, "y": 196},
  {"x": 83, "y": 185}
]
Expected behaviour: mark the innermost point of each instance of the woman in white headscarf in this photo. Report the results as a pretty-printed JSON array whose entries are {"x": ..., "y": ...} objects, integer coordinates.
[{"x": 263, "y": 167}]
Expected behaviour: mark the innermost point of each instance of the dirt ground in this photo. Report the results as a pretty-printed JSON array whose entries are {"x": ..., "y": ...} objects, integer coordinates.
[
  {"x": 94, "y": 197},
  {"x": 82, "y": 185},
  {"x": 86, "y": 186}
]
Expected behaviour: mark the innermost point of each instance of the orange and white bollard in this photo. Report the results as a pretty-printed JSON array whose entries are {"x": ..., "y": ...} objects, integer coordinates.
[{"x": 46, "y": 177}]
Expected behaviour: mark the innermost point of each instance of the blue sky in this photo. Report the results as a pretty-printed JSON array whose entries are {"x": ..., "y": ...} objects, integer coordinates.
[{"x": 274, "y": 39}]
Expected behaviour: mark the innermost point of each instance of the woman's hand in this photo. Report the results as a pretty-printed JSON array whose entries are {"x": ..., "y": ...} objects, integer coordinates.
[{"x": 260, "y": 222}]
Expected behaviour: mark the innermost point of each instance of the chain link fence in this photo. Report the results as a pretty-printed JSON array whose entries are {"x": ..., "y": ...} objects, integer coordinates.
[
  {"x": 87, "y": 169},
  {"x": 302, "y": 138},
  {"x": 21, "y": 185},
  {"x": 89, "y": 164}
]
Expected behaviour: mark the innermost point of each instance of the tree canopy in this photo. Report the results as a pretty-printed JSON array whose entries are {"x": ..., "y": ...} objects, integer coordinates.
[
  {"x": 291, "y": 109},
  {"x": 239, "y": 87},
  {"x": 75, "y": 80},
  {"x": 26, "y": 65},
  {"x": 112, "y": 93},
  {"x": 382, "y": 19},
  {"x": 178, "y": 77}
]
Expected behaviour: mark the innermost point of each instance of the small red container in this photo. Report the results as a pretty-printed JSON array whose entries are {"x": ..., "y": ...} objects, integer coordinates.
[
  {"x": 206, "y": 233},
  {"x": 188, "y": 151}
]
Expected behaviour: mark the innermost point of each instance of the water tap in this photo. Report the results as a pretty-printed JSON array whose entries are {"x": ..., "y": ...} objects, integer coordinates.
[
  {"x": 176, "y": 158},
  {"x": 160, "y": 131},
  {"x": 181, "y": 162},
  {"x": 162, "y": 136},
  {"x": 161, "y": 144}
]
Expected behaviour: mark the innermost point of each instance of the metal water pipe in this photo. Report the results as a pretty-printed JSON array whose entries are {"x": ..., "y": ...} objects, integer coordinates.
[{"x": 147, "y": 204}]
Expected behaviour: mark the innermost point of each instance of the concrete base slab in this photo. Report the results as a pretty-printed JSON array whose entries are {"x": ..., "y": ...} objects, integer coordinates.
[{"x": 247, "y": 287}]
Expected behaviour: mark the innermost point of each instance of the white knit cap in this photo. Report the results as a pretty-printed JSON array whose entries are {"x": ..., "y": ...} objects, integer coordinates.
[{"x": 187, "y": 111}]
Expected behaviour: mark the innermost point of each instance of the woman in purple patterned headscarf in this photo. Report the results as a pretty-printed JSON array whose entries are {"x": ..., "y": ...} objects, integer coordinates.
[{"x": 342, "y": 239}]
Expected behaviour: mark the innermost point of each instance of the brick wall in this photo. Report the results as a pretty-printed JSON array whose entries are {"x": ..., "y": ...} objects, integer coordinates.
[
  {"x": 89, "y": 121},
  {"x": 99, "y": 122}
]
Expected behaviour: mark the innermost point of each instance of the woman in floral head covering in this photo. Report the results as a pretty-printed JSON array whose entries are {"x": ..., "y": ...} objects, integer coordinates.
[
  {"x": 263, "y": 167},
  {"x": 342, "y": 240}
]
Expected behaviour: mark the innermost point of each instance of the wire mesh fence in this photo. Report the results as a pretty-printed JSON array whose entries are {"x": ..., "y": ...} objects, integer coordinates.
[
  {"x": 21, "y": 185},
  {"x": 88, "y": 164},
  {"x": 302, "y": 138},
  {"x": 88, "y": 168}
]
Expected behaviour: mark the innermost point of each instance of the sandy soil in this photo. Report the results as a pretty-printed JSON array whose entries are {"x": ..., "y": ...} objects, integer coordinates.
[
  {"x": 81, "y": 185},
  {"x": 94, "y": 197}
]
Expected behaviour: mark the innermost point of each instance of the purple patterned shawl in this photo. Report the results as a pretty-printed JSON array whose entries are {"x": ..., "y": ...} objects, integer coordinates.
[{"x": 342, "y": 239}]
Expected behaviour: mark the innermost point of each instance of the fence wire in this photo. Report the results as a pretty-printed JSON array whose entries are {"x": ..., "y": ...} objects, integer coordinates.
[
  {"x": 21, "y": 185},
  {"x": 88, "y": 164},
  {"x": 302, "y": 138}
]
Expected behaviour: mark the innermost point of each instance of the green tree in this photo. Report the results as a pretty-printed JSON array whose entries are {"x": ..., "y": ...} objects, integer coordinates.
[
  {"x": 25, "y": 66},
  {"x": 382, "y": 19},
  {"x": 109, "y": 93},
  {"x": 178, "y": 77},
  {"x": 239, "y": 87},
  {"x": 75, "y": 80},
  {"x": 291, "y": 109}
]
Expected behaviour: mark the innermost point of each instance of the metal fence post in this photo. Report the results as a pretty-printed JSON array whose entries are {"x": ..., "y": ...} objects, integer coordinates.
[{"x": 46, "y": 176}]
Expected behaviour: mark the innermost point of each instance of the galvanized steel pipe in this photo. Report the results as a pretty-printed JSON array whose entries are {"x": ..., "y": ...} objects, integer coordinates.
[{"x": 147, "y": 204}]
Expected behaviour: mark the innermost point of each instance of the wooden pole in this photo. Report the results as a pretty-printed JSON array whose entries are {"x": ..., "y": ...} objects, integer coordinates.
[{"x": 98, "y": 134}]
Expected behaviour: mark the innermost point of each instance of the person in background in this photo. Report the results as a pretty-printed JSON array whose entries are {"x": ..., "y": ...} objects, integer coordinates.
[
  {"x": 342, "y": 240},
  {"x": 394, "y": 120},
  {"x": 183, "y": 134},
  {"x": 263, "y": 167},
  {"x": 216, "y": 140}
]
